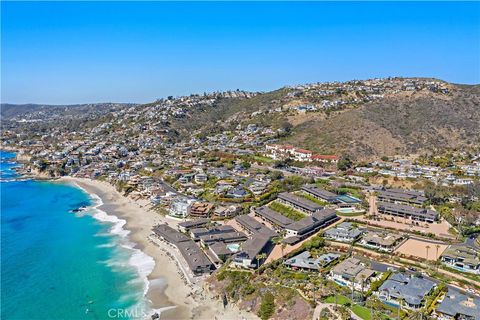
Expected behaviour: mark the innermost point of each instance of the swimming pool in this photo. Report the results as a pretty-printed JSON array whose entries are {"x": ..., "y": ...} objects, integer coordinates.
[
  {"x": 343, "y": 284},
  {"x": 350, "y": 210},
  {"x": 348, "y": 199},
  {"x": 234, "y": 247},
  {"x": 391, "y": 304}
]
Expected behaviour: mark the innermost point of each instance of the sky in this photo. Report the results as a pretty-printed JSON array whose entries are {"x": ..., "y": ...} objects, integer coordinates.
[{"x": 85, "y": 52}]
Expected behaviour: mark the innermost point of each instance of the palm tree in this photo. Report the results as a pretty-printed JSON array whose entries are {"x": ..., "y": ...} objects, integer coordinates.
[
  {"x": 427, "y": 247},
  {"x": 436, "y": 257},
  {"x": 283, "y": 246},
  {"x": 260, "y": 257}
]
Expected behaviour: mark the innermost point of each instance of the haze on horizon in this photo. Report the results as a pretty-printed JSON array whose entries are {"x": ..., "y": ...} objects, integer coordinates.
[{"x": 85, "y": 52}]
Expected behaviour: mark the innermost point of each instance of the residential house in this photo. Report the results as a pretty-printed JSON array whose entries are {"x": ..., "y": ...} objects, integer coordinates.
[
  {"x": 309, "y": 225},
  {"x": 196, "y": 259},
  {"x": 458, "y": 306},
  {"x": 200, "y": 209},
  {"x": 226, "y": 211},
  {"x": 344, "y": 232},
  {"x": 409, "y": 291},
  {"x": 462, "y": 257},
  {"x": 237, "y": 193},
  {"x": 197, "y": 223},
  {"x": 381, "y": 240},
  {"x": 252, "y": 226},
  {"x": 320, "y": 193},
  {"x": 353, "y": 272},
  {"x": 180, "y": 207},
  {"x": 305, "y": 261},
  {"x": 274, "y": 218},
  {"x": 201, "y": 178},
  {"x": 299, "y": 203},
  {"x": 401, "y": 196},
  {"x": 248, "y": 256},
  {"x": 407, "y": 212}
]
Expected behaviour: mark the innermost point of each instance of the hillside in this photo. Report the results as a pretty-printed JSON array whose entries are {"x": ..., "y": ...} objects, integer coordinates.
[
  {"x": 365, "y": 119},
  {"x": 42, "y": 112},
  {"x": 397, "y": 125},
  {"x": 375, "y": 120}
]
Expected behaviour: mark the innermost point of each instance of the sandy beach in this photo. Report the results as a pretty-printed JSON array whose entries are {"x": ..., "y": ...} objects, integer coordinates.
[{"x": 168, "y": 287}]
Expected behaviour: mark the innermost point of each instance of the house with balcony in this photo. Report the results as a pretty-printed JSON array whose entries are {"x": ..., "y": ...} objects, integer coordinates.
[
  {"x": 462, "y": 257},
  {"x": 381, "y": 240},
  {"x": 299, "y": 203},
  {"x": 458, "y": 306},
  {"x": 344, "y": 232},
  {"x": 353, "y": 272},
  {"x": 406, "y": 290}
]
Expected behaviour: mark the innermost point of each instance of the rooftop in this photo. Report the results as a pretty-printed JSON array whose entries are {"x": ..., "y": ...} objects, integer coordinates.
[
  {"x": 253, "y": 226},
  {"x": 382, "y": 238},
  {"x": 317, "y": 219},
  {"x": 273, "y": 216},
  {"x": 170, "y": 234},
  {"x": 300, "y": 201},
  {"x": 353, "y": 269},
  {"x": 457, "y": 304},
  {"x": 407, "y": 210},
  {"x": 319, "y": 192},
  {"x": 410, "y": 288}
]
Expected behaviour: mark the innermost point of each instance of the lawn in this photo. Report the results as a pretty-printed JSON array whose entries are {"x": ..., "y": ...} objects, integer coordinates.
[
  {"x": 263, "y": 159},
  {"x": 286, "y": 211},
  {"x": 342, "y": 300},
  {"x": 362, "y": 312},
  {"x": 313, "y": 199}
]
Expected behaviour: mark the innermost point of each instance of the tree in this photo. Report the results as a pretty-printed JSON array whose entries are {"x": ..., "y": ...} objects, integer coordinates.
[
  {"x": 344, "y": 163},
  {"x": 260, "y": 257},
  {"x": 276, "y": 175},
  {"x": 267, "y": 307}
]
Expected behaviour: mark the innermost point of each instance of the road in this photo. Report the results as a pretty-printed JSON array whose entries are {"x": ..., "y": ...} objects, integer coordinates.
[{"x": 402, "y": 260}]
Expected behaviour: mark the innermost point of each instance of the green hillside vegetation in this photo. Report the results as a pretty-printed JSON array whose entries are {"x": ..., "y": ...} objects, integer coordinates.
[
  {"x": 286, "y": 211},
  {"x": 312, "y": 198}
]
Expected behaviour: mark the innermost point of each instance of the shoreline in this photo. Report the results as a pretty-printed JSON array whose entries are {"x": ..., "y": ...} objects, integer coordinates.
[{"x": 169, "y": 291}]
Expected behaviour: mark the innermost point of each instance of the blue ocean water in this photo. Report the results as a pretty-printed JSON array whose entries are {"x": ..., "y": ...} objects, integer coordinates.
[{"x": 56, "y": 264}]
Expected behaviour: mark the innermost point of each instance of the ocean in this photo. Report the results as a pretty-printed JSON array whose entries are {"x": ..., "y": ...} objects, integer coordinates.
[{"x": 59, "y": 264}]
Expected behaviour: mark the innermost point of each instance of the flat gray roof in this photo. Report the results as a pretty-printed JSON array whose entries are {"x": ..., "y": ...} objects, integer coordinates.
[
  {"x": 410, "y": 288},
  {"x": 253, "y": 226},
  {"x": 319, "y": 192},
  {"x": 170, "y": 234},
  {"x": 457, "y": 304},
  {"x": 345, "y": 229},
  {"x": 194, "y": 256},
  {"x": 403, "y": 195},
  {"x": 194, "y": 223},
  {"x": 300, "y": 201},
  {"x": 273, "y": 216},
  {"x": 311, "y": 222},
  {"x": 407, "y": 210},
  {"x": 252, "y": 247}
]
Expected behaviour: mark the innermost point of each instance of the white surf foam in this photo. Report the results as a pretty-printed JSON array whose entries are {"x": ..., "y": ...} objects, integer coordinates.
[{"x": 142, "y": 262}]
